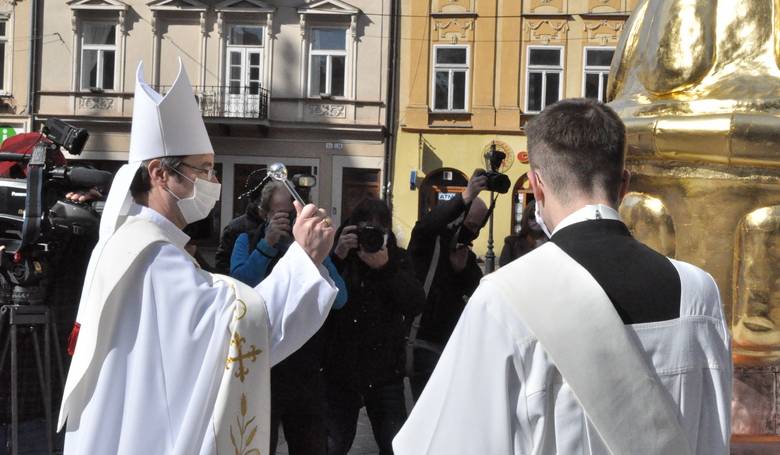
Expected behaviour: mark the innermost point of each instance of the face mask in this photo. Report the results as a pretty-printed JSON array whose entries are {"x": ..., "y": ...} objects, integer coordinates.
[
  {"x": 540, "y": 220},
  {"x": 205, "y": 195}
]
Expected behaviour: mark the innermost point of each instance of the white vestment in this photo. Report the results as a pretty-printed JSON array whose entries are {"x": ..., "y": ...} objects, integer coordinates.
[
  {"x": 496, "y": 391},
  {"x": 157, "y": 387}
]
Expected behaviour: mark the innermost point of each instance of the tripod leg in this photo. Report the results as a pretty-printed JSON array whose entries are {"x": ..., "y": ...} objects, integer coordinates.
[
  {"x": 14, "y": 392},
  {"x": 39, "y": 364},
  {"x": 47, "y": 377},
  {"x": 6, "y": 345},
  {"x": 42, "y": 378},
  {"x": 57, "y": 351}
]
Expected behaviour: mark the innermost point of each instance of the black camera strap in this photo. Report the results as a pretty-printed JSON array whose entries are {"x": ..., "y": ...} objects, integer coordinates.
[{"x": 33, "y": 204}]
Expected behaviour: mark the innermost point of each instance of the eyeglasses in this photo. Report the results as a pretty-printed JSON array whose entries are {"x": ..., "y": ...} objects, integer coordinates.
[{"x": 210, "y": 172}]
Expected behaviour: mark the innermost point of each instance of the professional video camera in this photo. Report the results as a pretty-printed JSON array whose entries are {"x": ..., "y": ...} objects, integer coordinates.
[{"x": 35, "y": 219}]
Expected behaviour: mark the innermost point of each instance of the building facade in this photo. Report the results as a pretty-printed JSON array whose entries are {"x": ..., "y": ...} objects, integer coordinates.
[
  {"x": 472, "y": 73},
  {"x": 16, "y": 40},
  {"x": 299, "y": 82}
]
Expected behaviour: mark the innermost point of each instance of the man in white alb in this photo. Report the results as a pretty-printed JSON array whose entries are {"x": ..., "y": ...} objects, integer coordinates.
[
  {"x": 590, "y": 344},
  {"x": 170, "y": 359}
]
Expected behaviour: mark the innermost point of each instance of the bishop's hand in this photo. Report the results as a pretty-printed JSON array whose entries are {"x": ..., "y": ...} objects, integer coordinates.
[{"x": 313, "y": 231}]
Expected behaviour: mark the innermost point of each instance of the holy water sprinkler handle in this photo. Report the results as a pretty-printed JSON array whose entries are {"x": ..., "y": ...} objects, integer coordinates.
[{"x": 278, "y": 172}]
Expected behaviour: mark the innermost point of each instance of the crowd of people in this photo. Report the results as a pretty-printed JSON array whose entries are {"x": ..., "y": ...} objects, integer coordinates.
[
  {"x": 584, "y": 341},
  {"x": 394, "y": 312}
]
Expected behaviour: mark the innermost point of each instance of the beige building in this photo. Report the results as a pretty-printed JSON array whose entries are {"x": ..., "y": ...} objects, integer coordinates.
[
  {"x": 16, "y": 40},
  {"x": 472, "y": 73},
  {"x": 301, "y": 82}
]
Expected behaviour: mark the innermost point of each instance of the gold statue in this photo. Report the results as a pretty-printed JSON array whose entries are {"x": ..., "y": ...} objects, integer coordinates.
[
  {"x": 649, "y": 221},
  {"x": 700, "y": 81},
  {"x": 757, "y": 265},
  {"x": 697, "y": 83}
]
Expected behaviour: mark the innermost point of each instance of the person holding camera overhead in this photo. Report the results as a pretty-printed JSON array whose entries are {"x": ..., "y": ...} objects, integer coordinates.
[
  {"x": 297, "y": 389},
  {"x": 365, "y": 365},
  {"x": 440, "y": 248}
]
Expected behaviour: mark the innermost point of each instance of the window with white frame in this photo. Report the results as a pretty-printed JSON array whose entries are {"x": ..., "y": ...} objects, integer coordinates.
[
  {"x": 328, "y": 62},
  {"x": 450, "y": 78},
  {"x": 98, "y": 55},
  {"x": 544, "y": 77},
  {"x": 596, "y": 77},
  {"x": 5, "y": 58}
]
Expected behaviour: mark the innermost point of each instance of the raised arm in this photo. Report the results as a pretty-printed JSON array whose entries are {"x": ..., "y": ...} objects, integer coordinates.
[
  {"x": 250, "y": 266},
  {"x": 299, "y": 291}
]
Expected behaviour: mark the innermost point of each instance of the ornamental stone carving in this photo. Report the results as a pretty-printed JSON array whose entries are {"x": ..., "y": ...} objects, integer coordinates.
[
  {"x": 328, "y": 110},
  {"x": 546, "y": 30},
  {"x": 96, "y": 103},
  {"x": 454, "y": 30},
  {"x": 603, "y": 31}
]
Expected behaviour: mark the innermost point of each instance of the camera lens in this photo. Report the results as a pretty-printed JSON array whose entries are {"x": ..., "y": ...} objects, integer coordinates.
[{"x": 371, "y": 239}]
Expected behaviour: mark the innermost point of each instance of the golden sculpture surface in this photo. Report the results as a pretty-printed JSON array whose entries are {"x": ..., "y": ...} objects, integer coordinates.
[
  {"x": 697, "y": 83},
  {"x": 648, "y": 219}
]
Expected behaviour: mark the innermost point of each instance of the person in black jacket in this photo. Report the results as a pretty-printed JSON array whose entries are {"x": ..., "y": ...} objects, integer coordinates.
[
  {"x": 530, "y": 236},
  {"x": 453, "y": 225},
  {"x": 297, "y": 390},
  {"x": 366, "y": 358}
]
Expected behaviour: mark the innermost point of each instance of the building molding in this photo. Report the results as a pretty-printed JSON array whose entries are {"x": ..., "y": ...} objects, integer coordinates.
[
  {"x": 177, "y": 5},
  {"x": 103, "y": 5},
  {"x": 244, "y": 6},
  {"x": 330, "y": 7}
]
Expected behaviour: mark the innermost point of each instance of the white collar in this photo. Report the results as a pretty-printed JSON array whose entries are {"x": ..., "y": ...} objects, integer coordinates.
[
  {"x": 589, "y": 212},
  {"x": 177, "y": 236}
]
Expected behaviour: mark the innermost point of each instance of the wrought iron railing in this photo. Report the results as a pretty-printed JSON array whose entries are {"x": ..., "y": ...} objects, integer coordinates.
[{"x": 222, "y": 101}]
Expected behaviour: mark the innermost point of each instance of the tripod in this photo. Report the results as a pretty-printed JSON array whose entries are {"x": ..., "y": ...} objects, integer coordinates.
[{"x": 30, "y": 320}]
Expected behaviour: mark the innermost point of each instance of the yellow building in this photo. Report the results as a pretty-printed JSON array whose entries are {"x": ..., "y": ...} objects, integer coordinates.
[{"x": 471, "y": 74}]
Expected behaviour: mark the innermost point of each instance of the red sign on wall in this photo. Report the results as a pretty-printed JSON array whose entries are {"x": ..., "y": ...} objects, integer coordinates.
[{"x": 522, "y": 157}]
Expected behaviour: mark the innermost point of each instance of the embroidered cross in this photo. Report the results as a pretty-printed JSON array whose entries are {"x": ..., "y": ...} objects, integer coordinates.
[{"x": 238, "y": 341}]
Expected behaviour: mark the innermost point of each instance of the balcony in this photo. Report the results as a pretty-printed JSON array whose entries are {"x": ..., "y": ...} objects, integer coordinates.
[{"x": 230, "y": 102}]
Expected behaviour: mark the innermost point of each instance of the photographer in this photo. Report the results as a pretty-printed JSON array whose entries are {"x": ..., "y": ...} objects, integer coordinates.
[
  {"x": 297, "y": 390},
  {"x": 440, "y": 248},
  {"x": 248, "y": 222},
  {"x": 366, "y": 358},
  {"x": 530, "y": 237}
]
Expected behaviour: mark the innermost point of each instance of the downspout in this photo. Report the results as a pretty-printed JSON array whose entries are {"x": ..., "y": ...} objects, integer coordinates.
[
  {"x": 392, "y": 102},
  {"x": 31, "y": 79}
]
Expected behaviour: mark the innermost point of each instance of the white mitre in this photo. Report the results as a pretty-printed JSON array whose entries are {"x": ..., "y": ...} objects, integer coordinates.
[{"x": 169, "y": 125}]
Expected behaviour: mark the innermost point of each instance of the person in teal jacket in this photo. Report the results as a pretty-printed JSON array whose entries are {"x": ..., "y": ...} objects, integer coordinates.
[{"x": 297, "y": 385}]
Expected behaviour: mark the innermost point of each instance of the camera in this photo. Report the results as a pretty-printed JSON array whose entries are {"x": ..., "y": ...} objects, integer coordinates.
[
  {"x": 496, "y": 181},
  {"x": 37, "y": 225},
  {"x": 371, "y": 238}
]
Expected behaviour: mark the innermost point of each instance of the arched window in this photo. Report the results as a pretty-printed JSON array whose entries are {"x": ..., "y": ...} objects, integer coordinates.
[
  {"x": 440, "y": 185},
  {"x": 521, "y": 196}
]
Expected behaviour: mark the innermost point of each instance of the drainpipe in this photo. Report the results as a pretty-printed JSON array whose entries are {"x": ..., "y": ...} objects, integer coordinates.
[
  {"x": 392, "y": 102},
  {"x": 31, "y": 79}
]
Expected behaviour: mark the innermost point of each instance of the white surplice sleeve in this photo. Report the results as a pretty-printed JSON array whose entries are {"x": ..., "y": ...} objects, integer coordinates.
[
  {"x": 298, "y": 295},
  {"x": 470, "y": 403}
]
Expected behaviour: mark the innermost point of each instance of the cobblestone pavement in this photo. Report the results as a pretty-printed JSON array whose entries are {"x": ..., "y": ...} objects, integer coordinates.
[{"x": 364, "y": 439}]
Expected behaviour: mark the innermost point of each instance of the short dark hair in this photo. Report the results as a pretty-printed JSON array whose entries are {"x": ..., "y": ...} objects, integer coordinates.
[
  {"x": 266, "y": 195},
  {"x": 142, "y": 182},
  {"x": 369, "y": 210},
  {"x": 578, "y": 145}
]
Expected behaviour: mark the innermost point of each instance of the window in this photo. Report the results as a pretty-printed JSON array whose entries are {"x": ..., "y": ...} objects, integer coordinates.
[
  {"x": 597, "y": 63},
  {"x": 4, "y": 57},
  {"x": 450, "y": 78},
  {"x": 544, "y": 77},
  {"x": 98, "y": 56},
  {"x": 328, "y": 62},
  {"x": 245, "y": 35}
]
